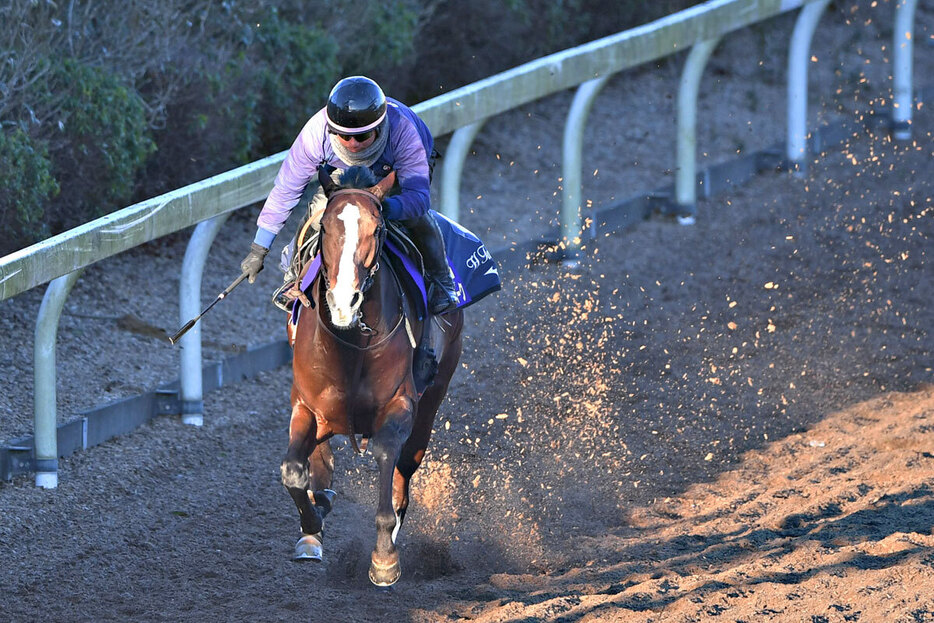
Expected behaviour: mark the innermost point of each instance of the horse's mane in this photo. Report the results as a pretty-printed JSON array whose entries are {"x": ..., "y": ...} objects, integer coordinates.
[{"x": 357, "y": 177}]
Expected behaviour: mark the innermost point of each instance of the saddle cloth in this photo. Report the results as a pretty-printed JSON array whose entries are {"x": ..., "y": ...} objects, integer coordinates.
[{"x": 474, "y": 270}]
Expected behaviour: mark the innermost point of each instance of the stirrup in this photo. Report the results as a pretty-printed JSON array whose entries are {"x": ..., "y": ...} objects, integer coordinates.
[
  {"x": 281, "y": 300},
  {"x": 285, "y": 296}
]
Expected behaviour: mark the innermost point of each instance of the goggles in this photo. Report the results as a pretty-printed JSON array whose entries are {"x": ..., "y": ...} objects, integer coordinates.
[{"x": 360, "y": 138}]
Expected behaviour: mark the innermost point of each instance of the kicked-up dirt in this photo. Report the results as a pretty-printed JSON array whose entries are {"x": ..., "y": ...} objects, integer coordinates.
[{"x": 729, "y": 421}]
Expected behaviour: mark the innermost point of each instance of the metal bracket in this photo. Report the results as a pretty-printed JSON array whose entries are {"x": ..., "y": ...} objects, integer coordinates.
[
  {"x": 167, "y": 402},
  {"x": 15, "y": 460}
]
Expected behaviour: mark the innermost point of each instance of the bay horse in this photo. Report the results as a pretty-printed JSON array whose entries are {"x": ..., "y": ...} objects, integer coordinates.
[{"x": 353, "y": 353}]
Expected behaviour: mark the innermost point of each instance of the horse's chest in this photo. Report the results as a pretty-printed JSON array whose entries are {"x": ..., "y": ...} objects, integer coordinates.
[{"x": 337, "y": 410}]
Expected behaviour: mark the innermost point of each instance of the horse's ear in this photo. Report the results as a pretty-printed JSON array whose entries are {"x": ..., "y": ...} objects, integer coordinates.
[
  {"x": 384, "y": 185},
  {"x": 324, "y": 178}
]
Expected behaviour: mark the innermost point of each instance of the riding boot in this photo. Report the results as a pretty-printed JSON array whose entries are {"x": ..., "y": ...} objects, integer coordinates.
[{"x": 428, "y": 238}]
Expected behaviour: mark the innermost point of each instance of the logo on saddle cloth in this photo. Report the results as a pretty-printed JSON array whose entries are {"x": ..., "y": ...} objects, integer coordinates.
[
  {"x": 474, "y": 269},
  {"x": 475, "y": 273}
]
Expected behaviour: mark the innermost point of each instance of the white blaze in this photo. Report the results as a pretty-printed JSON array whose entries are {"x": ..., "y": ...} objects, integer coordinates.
[{"x": 344, "y": 289}]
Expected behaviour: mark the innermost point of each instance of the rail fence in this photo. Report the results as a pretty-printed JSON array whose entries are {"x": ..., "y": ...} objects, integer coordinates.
[{"x": 207, "y": 204}]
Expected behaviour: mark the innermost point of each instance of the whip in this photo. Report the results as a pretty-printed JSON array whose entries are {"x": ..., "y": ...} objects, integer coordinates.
[{"x": 220, "y": 297}]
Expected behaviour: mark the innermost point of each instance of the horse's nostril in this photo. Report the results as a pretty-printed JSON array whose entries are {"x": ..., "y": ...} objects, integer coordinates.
[{"x": 355, "y": 299}]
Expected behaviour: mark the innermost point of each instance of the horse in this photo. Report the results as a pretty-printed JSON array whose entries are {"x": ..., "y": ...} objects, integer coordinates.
[{"x": 353, "y": 352}]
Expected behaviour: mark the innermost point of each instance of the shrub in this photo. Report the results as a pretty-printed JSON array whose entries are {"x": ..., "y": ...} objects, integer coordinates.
[
  {"x": 299, "y": 66},
  {"x": 222, "y": 83},
  {"x": 392, "y": 28},
  {"x": 106, "y": 139},
  {"x": 27, "y": 183},
  {"x": 247, "y": 102},
  {"x": 468, "y": 41}
]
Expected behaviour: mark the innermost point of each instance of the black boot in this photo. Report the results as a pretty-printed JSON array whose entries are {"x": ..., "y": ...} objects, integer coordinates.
[{"x": 427, "y": 237}]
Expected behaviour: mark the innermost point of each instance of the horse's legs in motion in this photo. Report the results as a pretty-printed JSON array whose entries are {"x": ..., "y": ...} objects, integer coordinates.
[
  {"x": 414, "y": 449},
  {"x": 386, "y": 445},
  {"x": 312, "y": 503},
  {"x": 321, "y": 463}
]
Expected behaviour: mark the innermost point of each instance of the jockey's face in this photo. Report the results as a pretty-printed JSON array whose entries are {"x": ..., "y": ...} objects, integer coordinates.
[{"x": 357, "y": 142}]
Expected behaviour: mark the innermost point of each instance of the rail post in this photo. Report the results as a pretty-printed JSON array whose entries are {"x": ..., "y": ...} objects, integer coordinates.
[
  {"x": 573, "y": 163},
  {"x": 44, "y": 394},
  {"x": 686, "y": 169},
  {"x": 191, "y": 387},
  {"x": 903, "y": 68},
  {"x": 452, "y": 168},
  {"x": 798, "y": 59}
]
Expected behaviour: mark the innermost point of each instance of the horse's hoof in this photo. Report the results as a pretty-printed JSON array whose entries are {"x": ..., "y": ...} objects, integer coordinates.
[
  {"x": 308, "y": 548},
  {"x": 385, "y": 573}
]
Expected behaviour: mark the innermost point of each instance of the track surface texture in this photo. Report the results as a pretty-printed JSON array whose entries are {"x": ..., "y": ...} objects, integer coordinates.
[{"x": 730, "y": 421}]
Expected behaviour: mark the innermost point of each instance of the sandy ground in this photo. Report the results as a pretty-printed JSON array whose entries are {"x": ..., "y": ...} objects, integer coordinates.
[{"x": 732, "y": 421}]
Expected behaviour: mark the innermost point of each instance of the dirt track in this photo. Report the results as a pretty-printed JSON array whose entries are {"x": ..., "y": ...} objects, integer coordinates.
[{"x": 727, "y": 422}]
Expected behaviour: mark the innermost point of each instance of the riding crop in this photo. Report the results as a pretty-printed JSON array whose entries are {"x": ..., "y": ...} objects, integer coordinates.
[{"x": 221, "y": 296}]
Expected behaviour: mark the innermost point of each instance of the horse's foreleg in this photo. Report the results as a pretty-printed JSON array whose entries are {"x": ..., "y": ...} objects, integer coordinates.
[
  {"x": 294, "y": 474},
  {"x": 320, "y": 496},
  {"x": 387, "y": 444}
]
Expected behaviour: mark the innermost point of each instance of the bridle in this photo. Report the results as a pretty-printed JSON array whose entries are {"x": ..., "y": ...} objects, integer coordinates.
[{"x": 379, "y": 234}]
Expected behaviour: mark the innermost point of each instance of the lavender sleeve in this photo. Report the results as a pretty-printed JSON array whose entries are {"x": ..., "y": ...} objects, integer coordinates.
[
  {"x": 298, "y": 168},
  {"x": 411, "y": 166}
]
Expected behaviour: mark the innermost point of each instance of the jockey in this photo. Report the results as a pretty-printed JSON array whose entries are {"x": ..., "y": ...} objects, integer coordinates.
[{"x": 361, "y": 126}]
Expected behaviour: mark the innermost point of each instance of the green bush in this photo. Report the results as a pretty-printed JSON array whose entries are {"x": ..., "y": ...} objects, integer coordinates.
[
  {"x": 251, "y": 104},
  {"x": 27, "y": 183},
  {"x": 299, "y": 66},
  {"x": 391, "y": 27},
  {"x": 106, "y": 136},
  {"x": 468, "y": 41},
  {"x": 218, "y": 84}
]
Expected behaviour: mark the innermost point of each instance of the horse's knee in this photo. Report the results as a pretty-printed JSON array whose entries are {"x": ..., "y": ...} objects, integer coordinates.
[
  {"x": 387, "y": 445},
  {"x": 294, "y": 475},
  {"x": 384, "y": 454}
]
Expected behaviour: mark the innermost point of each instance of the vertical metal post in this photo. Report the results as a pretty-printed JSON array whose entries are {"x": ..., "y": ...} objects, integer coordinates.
[
  {"x": 686, "y": 169},
  {"x": 44, "y": 394},
  {"x": 798, "y": 59},
  {"x": 452, "y": 167},
  {"x": 191, "y": 388},
  {"x": 573, "y": 163},
  {"x": 903, "y": 44}
]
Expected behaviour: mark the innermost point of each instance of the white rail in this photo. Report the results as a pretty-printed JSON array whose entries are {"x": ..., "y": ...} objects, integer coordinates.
[{"x": 463, "y": 111}]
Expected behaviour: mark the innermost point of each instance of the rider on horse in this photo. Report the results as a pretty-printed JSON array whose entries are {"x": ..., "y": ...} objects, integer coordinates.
[{"x": 361, "y": 126}]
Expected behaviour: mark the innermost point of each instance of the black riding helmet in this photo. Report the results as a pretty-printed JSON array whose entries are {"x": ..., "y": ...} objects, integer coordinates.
[{"x": 355, "y": 105}]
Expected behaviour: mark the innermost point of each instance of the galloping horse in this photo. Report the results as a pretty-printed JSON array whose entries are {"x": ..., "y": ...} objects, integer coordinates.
[{"x": 353, "y": 372}]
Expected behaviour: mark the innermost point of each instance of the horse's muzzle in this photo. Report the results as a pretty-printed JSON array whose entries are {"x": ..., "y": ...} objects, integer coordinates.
[{"x": 344, "y": 316}]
